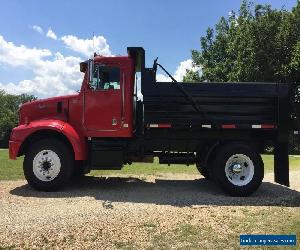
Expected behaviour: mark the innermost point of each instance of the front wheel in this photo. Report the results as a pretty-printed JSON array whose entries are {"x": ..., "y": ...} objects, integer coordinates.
[
  {"x": 79, "y": 170},
  {"x": 48, "y": 164},
  {"x": 238, "y": 169}
]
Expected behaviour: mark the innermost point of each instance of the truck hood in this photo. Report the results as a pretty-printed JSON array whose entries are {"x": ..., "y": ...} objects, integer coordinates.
[{"x": 50, "y": 108}]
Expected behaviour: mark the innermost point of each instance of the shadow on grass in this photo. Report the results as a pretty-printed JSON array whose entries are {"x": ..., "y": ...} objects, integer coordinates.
[{"x": 165, "y": 192}]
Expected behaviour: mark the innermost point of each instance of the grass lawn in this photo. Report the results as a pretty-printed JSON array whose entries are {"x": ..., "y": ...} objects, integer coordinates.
[
  {"x": 12, "y": 170},
  {"x": 222, "y": 227}
]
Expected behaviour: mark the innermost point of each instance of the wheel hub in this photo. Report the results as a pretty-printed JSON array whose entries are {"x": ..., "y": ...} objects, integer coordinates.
[
  {"x": 237, "y": 168},
  {"x": 46, "y": 165}
]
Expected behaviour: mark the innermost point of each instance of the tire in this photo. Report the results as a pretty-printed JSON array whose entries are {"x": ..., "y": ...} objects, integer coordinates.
[
  {"x": 48, "y": 164},
  {"x": 78, "y": 170},
  {"x": 203, "y": 170},
  {"x": 238, "y": 169}
]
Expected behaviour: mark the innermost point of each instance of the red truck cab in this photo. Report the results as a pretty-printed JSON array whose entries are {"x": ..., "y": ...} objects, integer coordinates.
[
  {"x": 107, "y": 100},
  {"x": 102, "y": 108}
]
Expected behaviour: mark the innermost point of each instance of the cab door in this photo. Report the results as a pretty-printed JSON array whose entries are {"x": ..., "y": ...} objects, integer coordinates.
[{"x": 103, "y": 102}]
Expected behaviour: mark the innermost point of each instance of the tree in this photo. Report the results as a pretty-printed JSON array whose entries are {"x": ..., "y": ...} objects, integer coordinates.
[
  {"x": 9, "y": 105},
  {"x": 258, "y": 44}
]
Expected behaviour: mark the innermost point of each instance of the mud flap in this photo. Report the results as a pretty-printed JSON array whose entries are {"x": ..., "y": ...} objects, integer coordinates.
[
  {"x": 281, "y": 154},
  {"x": 281, "y": 164}
]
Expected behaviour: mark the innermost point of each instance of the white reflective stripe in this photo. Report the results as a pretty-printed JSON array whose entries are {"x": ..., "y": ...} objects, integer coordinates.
[
  {"x": 206, "y": 126},
  {"x": 153, "y": 125},
  {"x": 163, "y": 125},
  {"x": 296, "y": 132},
  {"x": 256, "y": 126}
]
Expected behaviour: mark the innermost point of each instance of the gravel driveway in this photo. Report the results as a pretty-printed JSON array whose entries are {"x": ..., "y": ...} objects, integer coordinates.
[{"x": 132, "y": 212}]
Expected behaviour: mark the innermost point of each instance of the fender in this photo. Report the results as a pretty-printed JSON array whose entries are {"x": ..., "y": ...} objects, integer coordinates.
[{"x": 22, "y": 132}]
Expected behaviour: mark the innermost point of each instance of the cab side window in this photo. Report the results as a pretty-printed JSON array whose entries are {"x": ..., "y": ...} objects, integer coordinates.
[{"x": 105, "y": 78}]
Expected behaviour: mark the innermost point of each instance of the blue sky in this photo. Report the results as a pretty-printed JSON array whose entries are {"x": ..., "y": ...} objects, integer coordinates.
[{"x": 167, "y": 29}]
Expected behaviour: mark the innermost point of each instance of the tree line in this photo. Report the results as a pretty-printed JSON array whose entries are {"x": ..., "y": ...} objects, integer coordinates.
[
  {"x": 9, "y": 106},
  {"x": 256, "y": 44}
]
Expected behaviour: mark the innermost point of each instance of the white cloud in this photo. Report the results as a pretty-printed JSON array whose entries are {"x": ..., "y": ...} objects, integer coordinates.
[
  {"x": 87, "y": 46},
  {"x": 163, "y": 78},
  {"x": 182, "y": 68},
  {"x": 51, "y": 34},
  {"x": 54, "y": 74},
  {"x": 180, "y": 71},
  {"x": 20, "y": 55},
  {"x": 37, "y": 29}
]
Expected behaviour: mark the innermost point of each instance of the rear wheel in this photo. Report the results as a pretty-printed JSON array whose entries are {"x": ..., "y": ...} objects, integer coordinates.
[
  {"x": 203, "y": 170},
  {"x": 238, "y": 169},
  {"x": 48, "y": 164}
]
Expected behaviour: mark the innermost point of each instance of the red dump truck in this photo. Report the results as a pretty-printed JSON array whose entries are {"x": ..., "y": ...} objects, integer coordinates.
[{"x": 221, "y": 127}]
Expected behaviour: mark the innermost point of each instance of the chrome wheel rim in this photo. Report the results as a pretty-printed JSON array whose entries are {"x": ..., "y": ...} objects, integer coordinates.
[
  {"x": 46, "y": 165},
  {"x": 239, "y": 169}
]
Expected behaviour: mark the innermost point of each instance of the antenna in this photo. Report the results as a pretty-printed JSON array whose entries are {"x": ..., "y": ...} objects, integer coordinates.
[{"x": 93, "y": 43}]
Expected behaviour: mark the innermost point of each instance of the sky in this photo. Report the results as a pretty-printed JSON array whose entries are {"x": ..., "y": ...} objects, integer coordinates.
[{"x": 42, "y": 42}]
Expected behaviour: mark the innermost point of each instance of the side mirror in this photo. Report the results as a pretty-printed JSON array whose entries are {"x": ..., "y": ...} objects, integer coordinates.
[{"x": 91, "y": 70}]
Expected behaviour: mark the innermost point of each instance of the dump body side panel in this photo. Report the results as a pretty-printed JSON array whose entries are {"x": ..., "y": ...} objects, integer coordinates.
[{"x": 220, "y": 104}]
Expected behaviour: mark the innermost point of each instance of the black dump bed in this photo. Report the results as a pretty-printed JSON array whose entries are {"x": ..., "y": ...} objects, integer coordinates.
[
  {"x": 211, "y": 105},
  {"x": 241, "y": 104}
]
